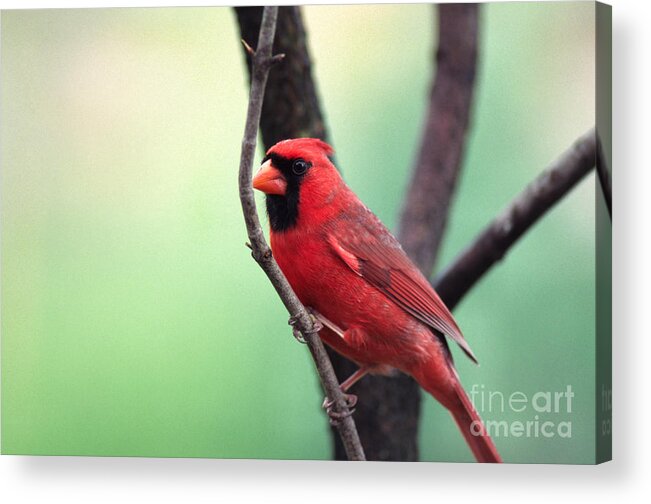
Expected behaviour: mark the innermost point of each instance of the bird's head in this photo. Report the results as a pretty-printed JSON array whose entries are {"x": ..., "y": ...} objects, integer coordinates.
[{"x": 299, "y": 179}]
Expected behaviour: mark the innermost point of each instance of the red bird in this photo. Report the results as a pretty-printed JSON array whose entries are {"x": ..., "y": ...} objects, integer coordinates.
[{"x": 378, "y": 310}]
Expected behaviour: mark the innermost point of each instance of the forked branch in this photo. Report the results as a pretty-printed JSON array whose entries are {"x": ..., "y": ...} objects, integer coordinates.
[{"x": 262, "y": 60}]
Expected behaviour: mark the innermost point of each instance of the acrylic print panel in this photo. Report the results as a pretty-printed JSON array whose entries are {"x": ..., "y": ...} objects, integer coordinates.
[{"x": 134, "y": 321}]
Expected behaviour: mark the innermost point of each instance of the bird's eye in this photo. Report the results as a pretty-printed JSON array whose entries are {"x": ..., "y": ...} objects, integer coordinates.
[{"x": 299, "y": 167}]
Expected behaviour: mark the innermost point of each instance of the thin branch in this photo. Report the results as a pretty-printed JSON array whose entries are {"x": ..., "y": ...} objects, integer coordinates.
[
  {"x": 292, "y": 107},
  {"x": 604, "y": 177},
  {"x": 262, "y": 61},
  {"x": 434, "y": 177},
  {"x": 493, "y": 243}
]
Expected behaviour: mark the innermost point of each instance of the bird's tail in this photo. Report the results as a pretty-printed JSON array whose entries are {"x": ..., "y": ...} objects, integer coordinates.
[
  {"x": 472, "y": 428},
  {"x": 463, "y": 412}
]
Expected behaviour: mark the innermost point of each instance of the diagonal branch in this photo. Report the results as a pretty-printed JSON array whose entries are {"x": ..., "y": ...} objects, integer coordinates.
[
  {"x": 262, "y": 60},
  {"x": 493, "y": 243}
]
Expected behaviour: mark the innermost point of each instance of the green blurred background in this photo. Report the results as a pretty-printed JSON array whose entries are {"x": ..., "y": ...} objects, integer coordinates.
[{"x": 134, "y": 321}]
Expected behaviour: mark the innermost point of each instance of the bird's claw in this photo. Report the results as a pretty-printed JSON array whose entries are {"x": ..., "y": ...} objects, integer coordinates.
[
  {"x": 314, "y": 315},
  {"x": 316, "y": 324},
  {"x": 336, "y": 416},
  {"x": 295, "y": 331}
]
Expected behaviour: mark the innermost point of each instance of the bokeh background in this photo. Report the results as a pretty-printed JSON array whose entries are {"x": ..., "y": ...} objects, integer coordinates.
[{"x": 134, "y": 321}]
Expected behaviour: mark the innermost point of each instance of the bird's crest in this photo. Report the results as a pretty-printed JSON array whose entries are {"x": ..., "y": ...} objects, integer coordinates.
[{"x": 301, "y": 147}]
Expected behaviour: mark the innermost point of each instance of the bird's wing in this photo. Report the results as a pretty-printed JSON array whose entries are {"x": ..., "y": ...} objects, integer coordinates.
[{"x": 371, "y": 251}]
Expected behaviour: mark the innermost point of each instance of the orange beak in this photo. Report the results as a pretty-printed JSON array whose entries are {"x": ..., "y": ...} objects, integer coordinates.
[{"x": 269, "y": 180}]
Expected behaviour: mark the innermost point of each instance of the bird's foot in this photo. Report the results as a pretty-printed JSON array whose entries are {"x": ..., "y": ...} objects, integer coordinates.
[
  {"x": 336, "y": 416},
  {"x": 316, "y": 325},
  {"x": 295, "y": 330},
  {"x": 316, "y": 318}
]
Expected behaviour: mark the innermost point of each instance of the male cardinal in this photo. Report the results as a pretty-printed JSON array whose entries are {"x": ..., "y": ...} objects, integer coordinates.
[{"x": 377, "y": 309}]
